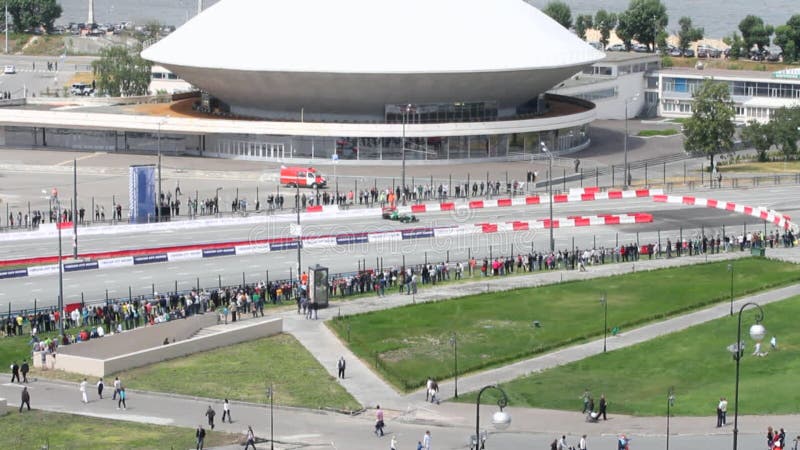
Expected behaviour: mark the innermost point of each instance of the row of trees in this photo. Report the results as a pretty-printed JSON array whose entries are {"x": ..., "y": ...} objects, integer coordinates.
[
  {"x": 645, "y": 21},
  {"x": 711, "y": 131},
  {"x": 32, "y": 14}
]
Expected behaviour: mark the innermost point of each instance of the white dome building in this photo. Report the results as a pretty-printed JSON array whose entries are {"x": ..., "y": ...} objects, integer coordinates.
[
  {"x": 354, "y": 57},
  {"x": 461, "y": 79}
]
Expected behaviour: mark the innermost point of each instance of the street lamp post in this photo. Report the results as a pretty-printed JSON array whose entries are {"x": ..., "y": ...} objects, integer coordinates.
[
  {"x": 627, "y": 170},
  {"x": 550, "y": 193},
  {"x": 757, "y": 333},
  {"x": 604, "y": 302},
  {"x": 158, "y": 140},
  {"x": 60, "y": 273},
  {"x": 454, "y": 343},
  {"x": 299, "y": 233},
  {"x": 270, "y": 392},
  {"x": 406, "y": 112},
  {"x": 670, "y": 403},
  {"x": 216, "y": 201},
  {"x": 501, "y": 420},
  {"x": 730, "y": 269}
]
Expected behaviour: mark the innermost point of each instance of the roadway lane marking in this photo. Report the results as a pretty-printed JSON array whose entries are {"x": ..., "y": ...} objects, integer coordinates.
[
  {"x": 183, "y": 274},
  {"x": 92, "y": 155},
  {"x": 147, "y": 277},
  {"x": 36, "y": 290}
]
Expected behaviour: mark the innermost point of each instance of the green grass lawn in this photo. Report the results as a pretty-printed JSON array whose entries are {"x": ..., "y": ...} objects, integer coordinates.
[
  {"x": 408, "y": 344},
  {"x": 241, "y": 372},
  {"x": 696, "y": 362},
  {"x": 35, "y": 429},
  {"x": 664, "y": 132},
  {"x": 764, "y": 167}
]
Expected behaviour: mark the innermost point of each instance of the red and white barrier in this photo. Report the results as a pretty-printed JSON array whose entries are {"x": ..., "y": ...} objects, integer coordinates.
[
  {"x": 575, "y": 195},
  {"x": 565, "y": 222},
  {"x": 780, "y": 220}
]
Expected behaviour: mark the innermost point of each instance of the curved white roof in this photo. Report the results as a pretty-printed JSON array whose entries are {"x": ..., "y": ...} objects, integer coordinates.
[{"x": 372, "y": 36}]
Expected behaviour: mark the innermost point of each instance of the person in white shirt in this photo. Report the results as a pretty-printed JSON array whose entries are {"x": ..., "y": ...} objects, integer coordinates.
[
  {"x": 582, "y": 443},
  {"x": 226, "y": 411},
  {"x": 83, "y": 391},
  {"x": 426, "y": 441}
]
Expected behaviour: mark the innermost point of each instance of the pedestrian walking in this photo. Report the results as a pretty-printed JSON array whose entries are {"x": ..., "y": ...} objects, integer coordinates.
[
  {"x": 426, "y": 441},
  {"x": 14, "y": 372},
  {"x": 250, "y": 439},
  {"x": 100, "y": 387},
  {"x": 603, "y": 406},
  {"x": 393, "y": 444},
  {"x": 428, "y": 387},
  {"x": 226, "y": 411},
  {"x": 122, "y": 398},
  {"x": 200, "y": 434},
  {"x": 210, "y": 413},
  {"x": 379, "y": 421},
  {"x": 25, "y": 369},
  {"x": 341, "y": 366},
  {"x": 26, "y": 399},
  {"x": 117, "y": 387},
  {"x": 84, "y": 399},
  {"x": 582, "y": 443}
]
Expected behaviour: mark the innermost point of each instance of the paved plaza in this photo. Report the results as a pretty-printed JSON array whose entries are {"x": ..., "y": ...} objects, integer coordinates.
[{"x": 408, "y": 415}]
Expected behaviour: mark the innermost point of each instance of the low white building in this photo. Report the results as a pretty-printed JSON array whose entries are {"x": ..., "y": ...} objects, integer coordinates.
[
  {"x": 756, "y": 95},
  {"x": 162, "y": 80}
]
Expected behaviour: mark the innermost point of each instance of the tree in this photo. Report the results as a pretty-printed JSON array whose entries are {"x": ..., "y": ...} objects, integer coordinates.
[
  {"x": 736, "y": 43},
  {"x": 583, "y": 23},
  {"x": 710, "y": 130},
  {"x": 643, "y": 20},
  {"x": 688, "y": 34},
  {"x": 624, "y": 30},
  {"x": 605, "y": 21},
  {"x": 121, "y": 72},
  {"x": 787, "y": 37},
  {"x": 784, "y": 125},
  {"x": 759, "y": 136},
  {"x": 755, "y": 33},
  {"x": 560, "y": 12},
  {"x": 31, "y": 14}
]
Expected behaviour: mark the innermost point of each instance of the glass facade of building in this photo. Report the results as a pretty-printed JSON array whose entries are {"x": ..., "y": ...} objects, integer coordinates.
[{"x": 278, "y": 148}]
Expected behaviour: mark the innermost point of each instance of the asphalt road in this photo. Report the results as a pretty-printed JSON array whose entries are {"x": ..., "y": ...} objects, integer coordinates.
[
  {"x": 208, "y": 273},
  {"x": 667, "y": 217}
]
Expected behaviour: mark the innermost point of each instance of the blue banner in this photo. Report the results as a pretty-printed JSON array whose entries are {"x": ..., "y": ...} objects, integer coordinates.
[
  {"x": 147, "y": 259},
  {"x": 419, "y": 233},
  {"x": 212, "y": 252},
  {"x": 346, "y": 239},
  {"x": 142, "y": 193},
  {"x": 13, "y": 273},
  {"x": 278, "y": 246},
  {"x": 86, "y": 265}
]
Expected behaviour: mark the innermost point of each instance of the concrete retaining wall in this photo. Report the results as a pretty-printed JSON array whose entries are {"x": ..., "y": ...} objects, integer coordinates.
[
  {"x": 3, "y": 407},
  {"x": 140, "y": 338},
  {"x": 97, "y": 367}
]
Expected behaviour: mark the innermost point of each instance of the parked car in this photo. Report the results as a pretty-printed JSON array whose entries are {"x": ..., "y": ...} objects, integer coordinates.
[
  {"x": 689, "y": 53},
  {"x": 676, "y": 52},
  {"x": 640, "y": 48},
  {"x": 702, "y": 53},
  {"x": 81, "y": 89},
  {"x": 9, "y": 69},
  {"x": 774, "y": 57},
  {"x": 616, "y": 48}
]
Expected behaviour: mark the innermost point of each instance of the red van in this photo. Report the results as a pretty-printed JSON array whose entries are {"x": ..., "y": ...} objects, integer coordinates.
[{"x": 303, "y": 177}]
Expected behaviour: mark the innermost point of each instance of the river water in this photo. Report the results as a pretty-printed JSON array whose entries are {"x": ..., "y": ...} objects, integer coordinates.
[{"x": 718, "y": 18}]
